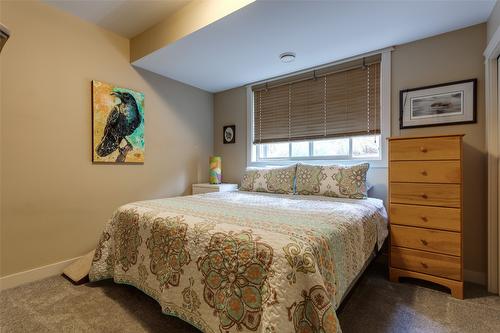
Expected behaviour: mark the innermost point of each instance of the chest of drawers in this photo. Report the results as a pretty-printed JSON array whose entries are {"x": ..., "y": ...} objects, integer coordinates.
[{"x": 425, "y": 210}]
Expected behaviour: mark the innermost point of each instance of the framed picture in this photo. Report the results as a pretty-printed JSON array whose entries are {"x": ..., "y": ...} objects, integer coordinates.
[
  {"x": 438, "y": 105},
  {"x": 229, "y": 134},
  {"x": 117, "y": 124}
]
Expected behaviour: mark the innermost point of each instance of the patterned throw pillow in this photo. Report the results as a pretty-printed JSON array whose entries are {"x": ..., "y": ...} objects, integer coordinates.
[
  {"x": 275, "y": 180},
  {"x": 333, "y": 180},
  {"x": 247, "y": 180},
  {"x": 272, "y": 180}
]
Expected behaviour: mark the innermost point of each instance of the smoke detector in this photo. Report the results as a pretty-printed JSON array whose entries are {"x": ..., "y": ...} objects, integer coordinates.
[{"x": 287, "y": 57}]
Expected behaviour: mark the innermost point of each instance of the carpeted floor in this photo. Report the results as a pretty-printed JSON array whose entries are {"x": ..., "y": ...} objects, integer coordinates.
[{"x": 375, "y": 305}]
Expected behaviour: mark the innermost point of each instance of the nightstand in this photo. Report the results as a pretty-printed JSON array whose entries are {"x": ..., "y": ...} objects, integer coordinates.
[{"x": 206, "y": 188}]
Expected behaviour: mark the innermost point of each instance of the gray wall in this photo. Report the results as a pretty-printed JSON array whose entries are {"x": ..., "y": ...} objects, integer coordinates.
[{"x": 231, "y": 106}]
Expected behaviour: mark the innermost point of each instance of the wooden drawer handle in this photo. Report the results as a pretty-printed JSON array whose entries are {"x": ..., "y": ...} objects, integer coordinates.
[
  {"x": 424, "y": 173},
  {"x": 424, "y": 242},
  {"x": 423, "y": 149},
  {"x": 424, "y": 218},
  {"x": 424, "y": 265},
  {"x": 423, "y": 195}
]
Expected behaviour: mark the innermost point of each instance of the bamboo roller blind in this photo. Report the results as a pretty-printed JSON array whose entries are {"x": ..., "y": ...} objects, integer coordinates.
[{"x": 338, "y": 101}]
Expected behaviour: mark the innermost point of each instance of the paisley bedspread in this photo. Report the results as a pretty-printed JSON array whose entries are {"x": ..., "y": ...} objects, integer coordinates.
[{"x": 243, "y": 261}]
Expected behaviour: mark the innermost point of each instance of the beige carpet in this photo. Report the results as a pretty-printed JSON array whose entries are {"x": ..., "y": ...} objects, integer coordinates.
[{"x": 375, "y": 305}]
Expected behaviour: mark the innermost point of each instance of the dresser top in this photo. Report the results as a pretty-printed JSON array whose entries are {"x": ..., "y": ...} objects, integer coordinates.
[{"x": 424, "y": 136}]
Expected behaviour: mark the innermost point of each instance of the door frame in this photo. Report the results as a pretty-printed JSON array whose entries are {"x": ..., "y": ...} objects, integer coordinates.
[{"x": 491, "y": 53}]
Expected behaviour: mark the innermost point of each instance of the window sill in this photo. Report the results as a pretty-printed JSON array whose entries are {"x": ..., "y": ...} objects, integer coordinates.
[{"x": 374, "y": 164}]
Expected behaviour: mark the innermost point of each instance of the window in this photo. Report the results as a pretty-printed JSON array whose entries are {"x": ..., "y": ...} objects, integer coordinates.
[
  {"x": 331, "y": 113},
  {"x": 358, "y": 147}
]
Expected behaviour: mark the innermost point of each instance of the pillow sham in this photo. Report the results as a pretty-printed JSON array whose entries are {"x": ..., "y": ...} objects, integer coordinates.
[
  {"x": 333, "y": 180},
  {"x": 247, "y": 180},
  {"x": 271, "y": 180}
]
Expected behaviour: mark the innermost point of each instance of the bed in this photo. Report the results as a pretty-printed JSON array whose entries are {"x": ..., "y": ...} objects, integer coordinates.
[{"x": 243, "y": 261}]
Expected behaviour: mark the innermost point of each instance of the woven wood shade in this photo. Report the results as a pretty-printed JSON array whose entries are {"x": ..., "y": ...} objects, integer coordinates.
[{"x": 338, "y": 101}]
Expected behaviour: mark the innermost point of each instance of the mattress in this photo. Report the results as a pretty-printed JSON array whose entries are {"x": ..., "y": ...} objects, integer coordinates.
[{"x": 243, "y": 261}]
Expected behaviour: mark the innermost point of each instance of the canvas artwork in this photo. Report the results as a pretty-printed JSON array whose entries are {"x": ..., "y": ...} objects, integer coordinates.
[
  {"x": 117, "y": 124},
  {"x": 438, "y": 105}
]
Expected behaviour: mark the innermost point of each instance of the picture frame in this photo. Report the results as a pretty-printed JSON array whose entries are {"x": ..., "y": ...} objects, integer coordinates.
[
  {"x": 117, "y": 124},
  {"x": 229, "y": 134},
  {"x": 450, "y": 103}
]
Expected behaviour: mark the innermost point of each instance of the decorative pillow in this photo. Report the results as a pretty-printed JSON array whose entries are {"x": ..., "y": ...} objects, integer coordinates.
[
  {"x": 272, "y": 180},
  {"x": 275, "y": 180},
  {"x": 247, "y": 180},
  {"x": 333, "y": 180}
]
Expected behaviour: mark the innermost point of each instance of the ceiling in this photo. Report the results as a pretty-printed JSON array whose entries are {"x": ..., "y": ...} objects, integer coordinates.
[
  {"x": 244, "y": 46},
  {"x": 127, "y": 18}
]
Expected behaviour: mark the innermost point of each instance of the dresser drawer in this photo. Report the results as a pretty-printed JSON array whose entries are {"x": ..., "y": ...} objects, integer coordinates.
[
  {"x": 445, "y": 195},
  {"x": 445, "y": 242},
  {"x": 426, "y": 216},
  {"x": 426, "y": 262},
  {"x": 440, "y": 148},
  {"x": 426, "y": 171}
]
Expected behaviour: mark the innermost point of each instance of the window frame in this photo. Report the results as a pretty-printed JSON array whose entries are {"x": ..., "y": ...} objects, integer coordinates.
[
  {"x": 310, "y": 156},
  {"x": 385, "y": 123}
]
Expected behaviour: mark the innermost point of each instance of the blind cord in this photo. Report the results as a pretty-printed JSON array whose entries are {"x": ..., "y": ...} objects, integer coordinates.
[
  {"x": 289, "y": 111},
  {"x": 377, "y": 106},
  {"x": 368, "y": 100},
  {"x": 324, "y": 105},
  {"x": 260, "y": 116}
]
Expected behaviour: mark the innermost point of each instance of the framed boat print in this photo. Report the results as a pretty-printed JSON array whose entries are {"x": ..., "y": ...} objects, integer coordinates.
[{"x": 438, "y": 105}]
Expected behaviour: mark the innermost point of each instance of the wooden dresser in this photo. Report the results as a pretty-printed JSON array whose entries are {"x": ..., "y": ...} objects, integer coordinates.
[{"x": 425, "y": 208}]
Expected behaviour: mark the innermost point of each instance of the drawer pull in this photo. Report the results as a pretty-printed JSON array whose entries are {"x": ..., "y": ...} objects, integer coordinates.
[
  {"x": 423, "y": 149},
  {"x": 424, "y": 173},
  {"x": 424, "y": 265},
  {"x": 423, "y": 195},
  {"x": 424, "y": 242},
  {"x": 424, "y": 218}
]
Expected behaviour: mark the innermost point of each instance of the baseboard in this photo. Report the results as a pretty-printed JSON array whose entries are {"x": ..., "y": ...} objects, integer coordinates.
[
  {"x": 17, "y": 279},
  {"x": 475, "y": 277}
]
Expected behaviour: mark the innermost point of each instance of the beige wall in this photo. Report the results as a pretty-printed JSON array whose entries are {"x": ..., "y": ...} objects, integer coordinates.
[
  {"x": 453, "y": 56},
  {"x": 449, "y": 57},
  {"x": 493, "y": 21},
  {"x": 54, "y": 200}
]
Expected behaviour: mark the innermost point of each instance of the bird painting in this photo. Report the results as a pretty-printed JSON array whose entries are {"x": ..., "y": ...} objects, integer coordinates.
[{"x": 118, "y": 120}]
